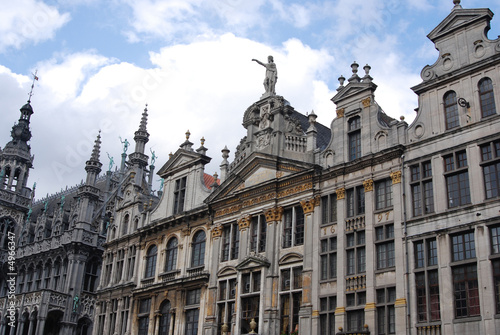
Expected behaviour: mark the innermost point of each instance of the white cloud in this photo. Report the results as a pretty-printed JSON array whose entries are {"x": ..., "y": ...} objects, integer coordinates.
[{"x": 28, "y": 21}]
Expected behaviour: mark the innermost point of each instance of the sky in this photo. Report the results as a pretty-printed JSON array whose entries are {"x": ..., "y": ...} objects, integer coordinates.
[{"x": 100, "y": 62}]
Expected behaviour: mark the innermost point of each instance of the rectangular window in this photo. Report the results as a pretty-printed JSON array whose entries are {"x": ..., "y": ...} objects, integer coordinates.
[
  {"x": 466, "y": 291},
  {"x": 427, "y": 280},
  {"x": 386, "y": 315},
  {"x": 230, "y": 242},
  {"x": 225, "y": 303},
  {"x": 383, "y": 194},
  {"x": 457, "y": 179},
  {"x": 490, "y": 162},
  {"x": 495, "y": 239},
  {"x": 258, "y": 231},
  {"x": 291, "y": 298},
  {"x": 179, "y": 195},
  {"x": 355, "y": 198},
  {"x": 293, "y": 227},
  {"x": 385, "y": 246},
  {"x": 328, "y": 258},
  {"x": 496, "y": 280},
  {"x": 354, "y": 134},
  {"x": 329, "y": 208},
  {"x": 355, "y": 303},
  {"x": 327, "y": 306},
  {"x": 463, "y": 246},
  {"x": 119, "y": 265},
  {"x": 192, "y": 311},
  {"x": 250, "y": 300},
  {"x": 422, "y": 189},
  {"x": 355, "y": 253},
  {"x": 144, "y": 308}
]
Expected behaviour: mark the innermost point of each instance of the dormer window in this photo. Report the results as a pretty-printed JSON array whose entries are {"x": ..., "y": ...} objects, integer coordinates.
[
  {"x": 179, "y": 195},
  {"x": 354, "y": 134},
  {"x": 451, "y": 110},
  {"x": 486, "y": 97}
]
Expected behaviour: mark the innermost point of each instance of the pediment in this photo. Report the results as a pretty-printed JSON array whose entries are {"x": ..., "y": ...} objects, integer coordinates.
[
  {"x": 353, "y": 89},
  {"x": 182, "y": 159},
  {"x": 457, "y": 19},
  {"x": 292, "y": 257},
  {"x": 253, "y": 261},
  {"x": 227, "y": 271},
  {"x": 259, "y": 171}
]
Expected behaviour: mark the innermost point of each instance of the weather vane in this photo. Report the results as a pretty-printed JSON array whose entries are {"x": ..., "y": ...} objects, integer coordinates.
[{"x": 35, "y": 77}]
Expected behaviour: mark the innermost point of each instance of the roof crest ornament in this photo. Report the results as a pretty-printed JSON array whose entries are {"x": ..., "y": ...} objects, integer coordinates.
[{"x": 35, "y": 77}]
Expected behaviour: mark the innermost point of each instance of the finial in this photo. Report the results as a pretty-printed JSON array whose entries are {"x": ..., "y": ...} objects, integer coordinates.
[
  {"x": 367, "y": 69},
  {"x": 354, "y": 67},
  {"x": 170, "y": 155},
  {"x": 457, "y": 4},
  {"x": 341, "y": 80},
  {"x": 35, "y": 77},
  {"x": 187, "y": 135},
  {"x": 203, "y": 141}
]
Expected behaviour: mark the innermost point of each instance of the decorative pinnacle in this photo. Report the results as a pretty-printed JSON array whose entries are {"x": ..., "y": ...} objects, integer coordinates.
[
  {"x": 187, "y": 135},
  {"x": 354, "y": 67},
  {"x": 144, "y": 119},
  {"x": 457, "y": 4},
  {"x": 202, "y": 141},
  {"x": 341, "y": 80},
  {"x": 97, "y": 148}
]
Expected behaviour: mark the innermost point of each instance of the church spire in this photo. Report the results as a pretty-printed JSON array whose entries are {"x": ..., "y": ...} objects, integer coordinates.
[
  {"x": 141, "y": 137},
  {"x": 93, "y": 165}
]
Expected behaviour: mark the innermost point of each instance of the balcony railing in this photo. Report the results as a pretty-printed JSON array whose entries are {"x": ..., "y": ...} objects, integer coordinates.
[
  {"x": 355, "y": 223},
  {"x": 355, "y": 283},
  {"x": 169, "y": 276},
  {"x": 429, "y": 330}
]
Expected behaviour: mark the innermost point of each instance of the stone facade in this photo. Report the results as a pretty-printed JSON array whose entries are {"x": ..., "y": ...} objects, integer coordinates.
[{"x": 367, "y": 226}]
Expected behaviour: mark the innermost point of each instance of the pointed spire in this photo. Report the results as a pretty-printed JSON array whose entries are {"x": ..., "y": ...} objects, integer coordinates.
[
  {"x": 96, "y": 152},
  {"x": 144, "y": 120}
]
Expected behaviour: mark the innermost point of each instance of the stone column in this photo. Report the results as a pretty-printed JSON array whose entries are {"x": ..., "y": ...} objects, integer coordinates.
[
  {"x": 341, "y": 210},
  {"x": 305, "y": 311},
  {"x": 210, "y": 325},
  {"x": 40, "y": 325},
  {"x": 271, "y": 322},
  {"x": 244, "y": 225},
  {"x": 370, "y": 255}
]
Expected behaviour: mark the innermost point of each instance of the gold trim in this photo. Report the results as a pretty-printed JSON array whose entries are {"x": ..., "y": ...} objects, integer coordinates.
[
  {"x": 368, "y": 185},
  {"x": 339, "y": 310},
  {"x": 216, "y": 232},
  {"x": 308, "y": 205},
  {"x": 273, "y": 214},
  {"x": 340, "y": 112},
  {"x": 340, "y": 193},
  {"x": 370, "y": 306},
  {"x": 244, "y": 223},
  {"x": 400, "y": 302},
  {"x": 315, "y": 314},
  {"x": 396, "y": 177},
  {"x": 366, "y": 102}
]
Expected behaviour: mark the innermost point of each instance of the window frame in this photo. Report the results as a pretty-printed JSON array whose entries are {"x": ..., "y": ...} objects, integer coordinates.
[
  {"x": 450, "y": 106},
  {"x": 456, "y": 175},
  {"x": 486, "y": 97}
]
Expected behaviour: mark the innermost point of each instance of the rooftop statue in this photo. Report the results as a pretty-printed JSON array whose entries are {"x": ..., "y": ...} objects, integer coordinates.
[
  {"x": 271, "y": 75},
  {"x": 125, "y": 144}
]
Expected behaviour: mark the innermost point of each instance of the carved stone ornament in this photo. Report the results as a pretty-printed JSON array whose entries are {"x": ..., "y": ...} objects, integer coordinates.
[
  {"x": 366, "y": 102},
  {"x": 244, "y": 223},
  {"x": 368, "y": 185},
  {"x": 396, "y": 177},
  {"x": 216, "y": 231},
  {"x": 263, "y": 140},
  {"x": 273, "y": 214},
  {"x": 340, "y": 193},
  {"x": 308, "y": 205},
  {"x": 340, "y": 112}
]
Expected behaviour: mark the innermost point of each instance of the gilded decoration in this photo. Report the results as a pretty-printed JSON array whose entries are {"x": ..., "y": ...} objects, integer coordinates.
[
  {"x": 368, "y": 185},
  {"x": 400, "y": 302},
  {"x": 273, "y": 214},
  {"x": 366, "y": 102},
  {"x": 244, "y": 223},
  {"x": 216, "y": 231},
  {"x": 369, "y": 306},
  {"x": 340, "y": 193},
  {"x": 340, "y": 112},
  {"x": 396, "y": 177},
  {"x": 308, "y": 205},
  {"x": 339, "y": 310}
]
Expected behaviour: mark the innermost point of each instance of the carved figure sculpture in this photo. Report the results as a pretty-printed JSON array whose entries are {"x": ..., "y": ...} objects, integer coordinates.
[{"x": 271, "y": 75}]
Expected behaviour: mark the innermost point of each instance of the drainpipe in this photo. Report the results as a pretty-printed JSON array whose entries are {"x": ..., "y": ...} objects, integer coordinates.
[{"x": 407, "y": 266}]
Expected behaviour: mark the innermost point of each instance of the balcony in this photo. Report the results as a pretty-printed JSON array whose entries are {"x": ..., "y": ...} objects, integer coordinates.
[
  {"x": 429, "y": 330},
  {"x": 354, "y": 283},
  {"x": 355, "y": 223},
  {"x": 169, "y": 276}
]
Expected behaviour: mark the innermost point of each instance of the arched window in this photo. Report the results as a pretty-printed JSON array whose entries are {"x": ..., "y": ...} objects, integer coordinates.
[
  {"x": 198, "y": 247},
  {"x": 125, "y": 224},
  {"x": 151, "y": 261},
  {"x": 171, "y": 261},
  {"x": 39, "y": 234},
  {"x": 48, "y": 273},
  {"x": 38, "y": 276},
  {"x": 57, "y": 275},
  {"x": 486, "y": 97},
  {"x": 451, "y": 110},
  {"x": 165, "y": 318},
  {"x": 91, "y": 275}
]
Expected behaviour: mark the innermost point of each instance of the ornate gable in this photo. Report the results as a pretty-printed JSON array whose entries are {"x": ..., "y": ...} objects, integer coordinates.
[
  {"x": 253, "y": 261},
  {"x": 458, "y": 19}
]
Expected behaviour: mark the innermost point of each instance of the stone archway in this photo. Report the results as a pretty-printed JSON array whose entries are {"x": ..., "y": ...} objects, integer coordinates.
[
  {"x": 53, "y": 323},
  {"x": 84, "y": 327}
]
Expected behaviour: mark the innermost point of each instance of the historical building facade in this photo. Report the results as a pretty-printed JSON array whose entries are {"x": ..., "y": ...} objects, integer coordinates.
[{"x": 365, "y": 226}]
